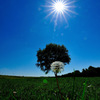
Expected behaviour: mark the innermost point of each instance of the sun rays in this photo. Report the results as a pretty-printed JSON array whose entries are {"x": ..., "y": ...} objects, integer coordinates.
[{"x": 59, "y": 9}]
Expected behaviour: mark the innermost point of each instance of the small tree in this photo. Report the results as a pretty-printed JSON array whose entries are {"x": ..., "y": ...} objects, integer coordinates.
[{"x": 51, "y": 53}]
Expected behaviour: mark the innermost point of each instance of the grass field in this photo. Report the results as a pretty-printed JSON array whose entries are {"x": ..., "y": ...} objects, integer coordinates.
[{"x": 33, "y": 88}]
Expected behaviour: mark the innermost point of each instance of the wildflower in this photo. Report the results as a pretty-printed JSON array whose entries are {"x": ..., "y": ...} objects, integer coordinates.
[
  {"x": 89, "y": 86},
  {"x": 57, "y": 66},
  {"x": 14, "y": 92}
]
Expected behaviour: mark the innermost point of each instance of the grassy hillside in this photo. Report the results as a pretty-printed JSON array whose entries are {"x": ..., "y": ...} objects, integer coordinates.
[{"x": 33, "y": 88}]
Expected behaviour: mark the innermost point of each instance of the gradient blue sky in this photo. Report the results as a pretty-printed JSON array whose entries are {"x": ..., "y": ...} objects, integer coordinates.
[{"x": 24, "y": 29}]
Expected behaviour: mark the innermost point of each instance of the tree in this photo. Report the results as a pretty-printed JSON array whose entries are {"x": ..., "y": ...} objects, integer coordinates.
[
  {"x": 83, "y": 72},
  {"x": 90, "y": 68},
  {"x": 51, "y": 53},
  {"x": 77, "y": 73}
]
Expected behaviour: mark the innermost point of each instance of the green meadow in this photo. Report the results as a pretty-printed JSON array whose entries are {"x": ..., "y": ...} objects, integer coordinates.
[{"x": 45, "y": 88}]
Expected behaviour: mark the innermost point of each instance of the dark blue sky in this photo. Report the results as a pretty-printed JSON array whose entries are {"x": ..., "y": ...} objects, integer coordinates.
[{"x": 24, "y": 29}]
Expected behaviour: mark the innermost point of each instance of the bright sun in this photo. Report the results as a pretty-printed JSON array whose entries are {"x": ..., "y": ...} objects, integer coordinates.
[{"x": 59, "y": 6}]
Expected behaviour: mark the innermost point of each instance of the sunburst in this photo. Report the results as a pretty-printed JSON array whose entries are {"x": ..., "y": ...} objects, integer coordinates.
[{"x": 59, "y": 8}]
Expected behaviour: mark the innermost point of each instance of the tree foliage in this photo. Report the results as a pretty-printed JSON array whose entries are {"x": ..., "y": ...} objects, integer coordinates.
[{"x": 51, "y": 53}]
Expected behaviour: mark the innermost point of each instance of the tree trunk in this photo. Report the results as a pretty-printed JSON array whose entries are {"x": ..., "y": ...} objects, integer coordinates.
[{"x": 58, "y": 85}]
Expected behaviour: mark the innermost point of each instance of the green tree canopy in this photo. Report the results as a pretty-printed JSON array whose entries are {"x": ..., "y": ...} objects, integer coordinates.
[{"x": 51, "y": 53}]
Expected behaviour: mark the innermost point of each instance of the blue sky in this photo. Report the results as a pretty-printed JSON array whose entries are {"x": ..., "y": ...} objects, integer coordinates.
[{"x": 24, "y": 29}]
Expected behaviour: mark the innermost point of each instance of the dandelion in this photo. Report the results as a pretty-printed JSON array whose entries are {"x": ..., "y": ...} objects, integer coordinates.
[
  {"x": 14, "y": 92},
  {"x": 57, "y": 67},
  {"x": 89, "y": 86}
]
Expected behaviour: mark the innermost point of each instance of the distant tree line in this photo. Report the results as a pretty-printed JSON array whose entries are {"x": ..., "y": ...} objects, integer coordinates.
[{"x": 90, "y": 72}]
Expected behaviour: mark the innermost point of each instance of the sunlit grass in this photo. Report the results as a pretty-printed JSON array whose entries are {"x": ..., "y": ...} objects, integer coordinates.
[{"x": 34, "y": 88}]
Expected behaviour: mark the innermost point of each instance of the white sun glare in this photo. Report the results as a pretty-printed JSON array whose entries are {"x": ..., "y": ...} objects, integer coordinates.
[{"x": 59, "y": 8}]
